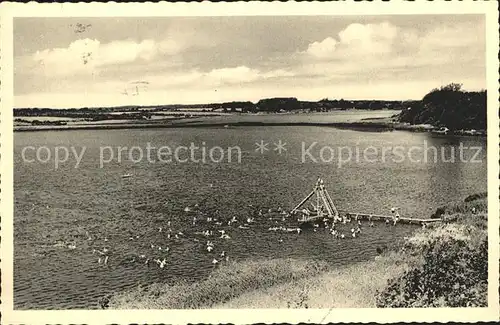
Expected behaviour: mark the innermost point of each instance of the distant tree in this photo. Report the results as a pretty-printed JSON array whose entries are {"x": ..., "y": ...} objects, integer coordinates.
[
  {"x": 278, "y": 104},
  {"x": 449, "y": 106}
]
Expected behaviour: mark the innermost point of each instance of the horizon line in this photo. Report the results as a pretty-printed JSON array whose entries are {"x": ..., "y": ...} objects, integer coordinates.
[
  {"x": 216, "y": 103},
  {"x": 253, "y": 102}
]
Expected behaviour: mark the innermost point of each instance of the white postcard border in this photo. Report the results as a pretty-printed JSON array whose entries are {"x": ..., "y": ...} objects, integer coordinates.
[{"x": 9, "y": 10}]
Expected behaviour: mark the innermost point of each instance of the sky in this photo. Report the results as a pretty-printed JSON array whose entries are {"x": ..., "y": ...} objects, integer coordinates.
[{"x": 96, "y": 62}]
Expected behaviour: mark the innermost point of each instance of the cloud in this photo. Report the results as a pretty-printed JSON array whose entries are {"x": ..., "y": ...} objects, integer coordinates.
[
  {"x": 242, "y": 74},
  {"x": 453, "y": 36},
  {"x": 370, "y": 42},
  {"x": 356, "y": 40},
  {"x": 323, "y": 49},
  {"x": 213, "y": 78},
  {"x": 233, "y": 75},
  {"x": 383, "y": 51},
  {"x": 372, "y": 38},
  {"x": 334, "y": 58},
  {"x": 84, "y": 56}
]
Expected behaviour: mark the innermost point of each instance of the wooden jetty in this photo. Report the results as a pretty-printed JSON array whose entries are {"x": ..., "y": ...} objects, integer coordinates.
[
  {"x": 379, "y": 217},
  {"x": 323, "y": 209}
]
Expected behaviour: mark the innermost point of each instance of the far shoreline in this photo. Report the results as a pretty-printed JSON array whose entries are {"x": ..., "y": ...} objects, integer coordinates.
[{"x": 371, "y": 124}]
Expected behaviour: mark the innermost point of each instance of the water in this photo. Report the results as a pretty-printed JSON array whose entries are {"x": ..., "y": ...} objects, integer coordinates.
[{"x": 60, "y": 206}]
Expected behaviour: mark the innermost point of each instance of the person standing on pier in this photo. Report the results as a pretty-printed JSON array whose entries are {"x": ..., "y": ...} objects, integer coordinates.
[{"x": 395, "y": 215}]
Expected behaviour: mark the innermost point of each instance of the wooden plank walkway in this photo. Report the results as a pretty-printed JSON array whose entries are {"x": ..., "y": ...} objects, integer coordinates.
[{"x": 373, "y": 217}]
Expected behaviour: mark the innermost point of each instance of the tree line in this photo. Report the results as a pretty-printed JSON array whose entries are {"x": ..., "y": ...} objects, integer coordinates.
[{"x": 269, "y": 105}]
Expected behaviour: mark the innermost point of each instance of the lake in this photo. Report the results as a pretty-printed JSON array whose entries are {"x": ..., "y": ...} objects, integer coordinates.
[{"x": 96, "y": 208}]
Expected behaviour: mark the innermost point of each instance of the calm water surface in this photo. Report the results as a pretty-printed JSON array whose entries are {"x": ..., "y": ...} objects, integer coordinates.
[{"x": 57, "y": 207}]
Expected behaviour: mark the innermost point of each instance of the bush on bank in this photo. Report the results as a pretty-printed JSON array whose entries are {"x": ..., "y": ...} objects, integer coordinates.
[{"x": 453, "y": 268}]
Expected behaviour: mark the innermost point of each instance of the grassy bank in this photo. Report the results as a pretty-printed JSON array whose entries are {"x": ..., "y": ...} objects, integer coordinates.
[
  {"x": 225, "y": 283},
  {"x": 354, "y": 286},
  {"x": 442, "y": 265}
]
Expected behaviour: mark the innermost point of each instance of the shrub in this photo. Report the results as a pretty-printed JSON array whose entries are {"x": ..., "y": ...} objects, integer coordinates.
[{"x": 453, "y": 273}]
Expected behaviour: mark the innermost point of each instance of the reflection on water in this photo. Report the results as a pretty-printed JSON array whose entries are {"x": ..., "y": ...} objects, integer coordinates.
[{"x": 68, "y": 205}]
